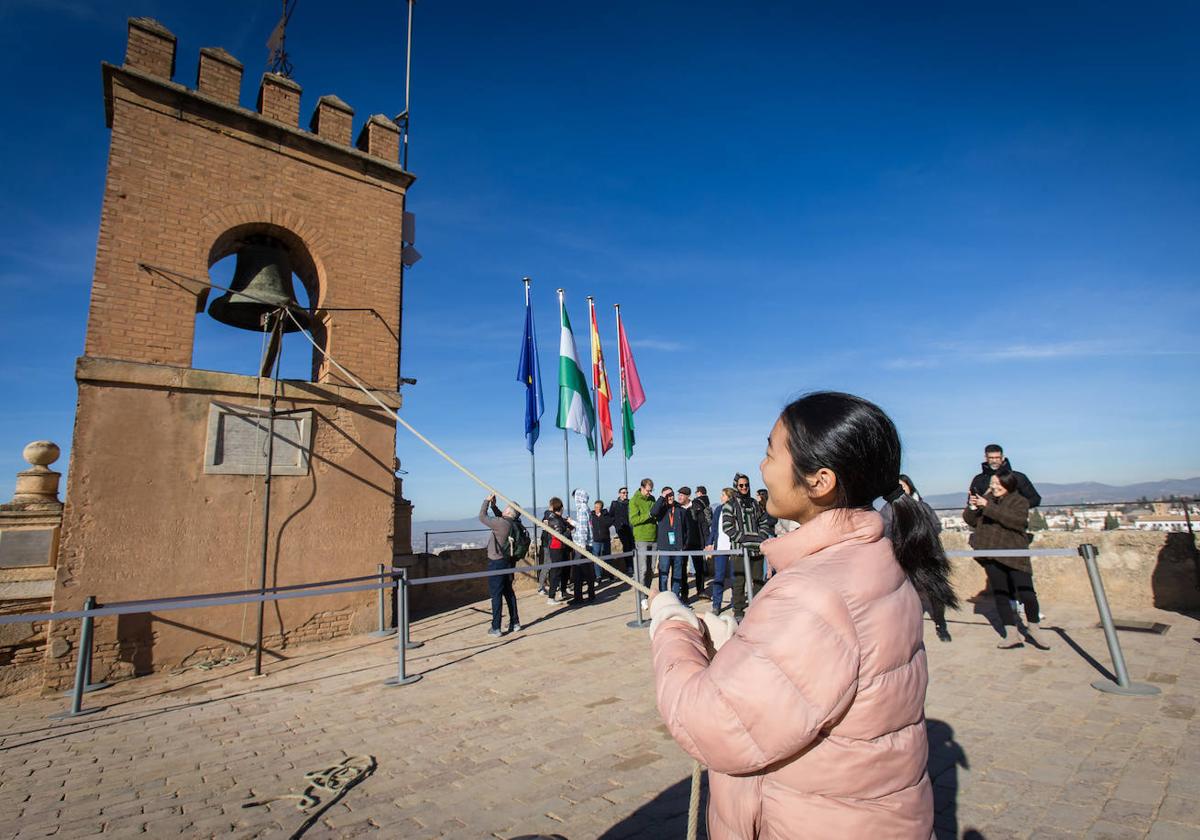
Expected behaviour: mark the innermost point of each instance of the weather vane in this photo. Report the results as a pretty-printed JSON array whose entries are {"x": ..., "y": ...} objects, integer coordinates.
[{"x": 277, "y": 61}]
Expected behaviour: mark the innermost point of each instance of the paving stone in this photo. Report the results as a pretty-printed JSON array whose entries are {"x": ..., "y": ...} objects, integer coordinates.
[
  {"x": 1166, "y": 830},
  {"x": 1143, "y": 791},
  {"x": 1133, "y": 814},
  {"x": 1104, "y": 830}
]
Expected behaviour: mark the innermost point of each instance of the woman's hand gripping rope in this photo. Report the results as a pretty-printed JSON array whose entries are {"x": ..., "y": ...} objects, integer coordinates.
[{"x": 716, "y": 629}]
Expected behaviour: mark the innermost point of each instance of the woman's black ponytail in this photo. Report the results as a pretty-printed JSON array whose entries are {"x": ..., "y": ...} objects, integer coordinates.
[
  {"x": 857, "y": 441},
  {"x": 919, "y": 551}
]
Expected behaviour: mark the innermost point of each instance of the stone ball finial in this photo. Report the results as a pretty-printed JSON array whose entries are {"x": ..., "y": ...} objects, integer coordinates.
[{"x": 41, "y": 453}]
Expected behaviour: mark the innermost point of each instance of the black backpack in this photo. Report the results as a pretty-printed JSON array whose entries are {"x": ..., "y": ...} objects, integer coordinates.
[{"x": 516, "y": 545}]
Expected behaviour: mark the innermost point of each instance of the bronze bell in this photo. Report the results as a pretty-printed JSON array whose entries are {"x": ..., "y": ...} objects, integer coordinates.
[{"x": 262, "y": 283}]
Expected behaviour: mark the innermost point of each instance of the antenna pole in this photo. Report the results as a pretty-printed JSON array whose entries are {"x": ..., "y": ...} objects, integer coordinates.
[{"x": 407, "y": 83}]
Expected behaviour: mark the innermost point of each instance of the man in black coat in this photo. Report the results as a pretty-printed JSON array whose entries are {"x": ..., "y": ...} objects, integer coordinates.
[
  {"x": 620, "y": 520},
  {"x": 675, "y": 527},
  {"x": 994, "y": 463}
]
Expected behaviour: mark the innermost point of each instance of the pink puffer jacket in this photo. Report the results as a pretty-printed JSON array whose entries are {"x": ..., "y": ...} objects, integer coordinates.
[{"x": 811, "y": 719}]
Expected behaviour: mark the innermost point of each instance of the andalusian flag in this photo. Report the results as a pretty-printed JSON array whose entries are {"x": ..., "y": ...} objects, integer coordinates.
[
  {"x": 632, "y": 391},
  {"x": 600, "y": 385},
  {"x": 574, "y": 405}
]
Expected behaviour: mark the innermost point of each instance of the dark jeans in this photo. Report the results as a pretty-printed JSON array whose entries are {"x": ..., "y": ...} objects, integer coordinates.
[
  {"x": 720, "y": 578},
  {"x": 501, "y": 587},
  {"x": 599, "y": 548},
  {"x": 560, "y": 574},
  {"x": 676, "y": 566},
  {"x": 1008, "y": 584},
  {"x": 740, "y": 600}
]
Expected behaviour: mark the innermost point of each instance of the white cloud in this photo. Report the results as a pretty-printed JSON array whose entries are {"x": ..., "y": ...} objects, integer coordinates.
[{"x": 659, "y": 344}]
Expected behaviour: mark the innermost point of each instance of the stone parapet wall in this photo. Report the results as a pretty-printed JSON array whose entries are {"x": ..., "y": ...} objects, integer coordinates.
[
  {"x": 22, "y": 647},
  {"x": 1140, "y": 570}
]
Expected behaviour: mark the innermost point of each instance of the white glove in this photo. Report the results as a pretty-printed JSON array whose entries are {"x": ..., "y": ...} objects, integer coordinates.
[
  {"x": 666, "y": 607},
  {"x": 720, "y": 628}
]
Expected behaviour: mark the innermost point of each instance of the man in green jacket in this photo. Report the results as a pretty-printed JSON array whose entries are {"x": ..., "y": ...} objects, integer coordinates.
[{"x": 645, "y": 527}]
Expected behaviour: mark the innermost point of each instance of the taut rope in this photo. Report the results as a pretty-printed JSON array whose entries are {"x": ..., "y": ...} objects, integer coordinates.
[{"x": 637, "y": 586}]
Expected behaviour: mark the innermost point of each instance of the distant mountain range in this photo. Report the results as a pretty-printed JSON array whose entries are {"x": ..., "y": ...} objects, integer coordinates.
[
  {"x": 1089, "y": 491},
  {"x": 1052, "y": 494}
]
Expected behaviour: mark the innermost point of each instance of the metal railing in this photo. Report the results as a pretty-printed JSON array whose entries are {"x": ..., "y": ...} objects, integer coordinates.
[
  {"x": 387, "y": 579},
  {"x": 1185, "y": 503}
]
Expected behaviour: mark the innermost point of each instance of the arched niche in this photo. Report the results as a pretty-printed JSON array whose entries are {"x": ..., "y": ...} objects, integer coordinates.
[{"x": 219, "y": 346}]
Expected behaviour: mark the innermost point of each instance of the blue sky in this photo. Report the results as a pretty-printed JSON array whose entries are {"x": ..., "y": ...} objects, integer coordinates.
[{"x": 983, "y": 219}]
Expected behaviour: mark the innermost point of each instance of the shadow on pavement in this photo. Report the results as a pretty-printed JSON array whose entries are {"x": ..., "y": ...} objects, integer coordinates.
[
  {"x": 663, "y": 816},
  {"x": 1083, "y": 654},
  {"x": 946, "y": 756}
]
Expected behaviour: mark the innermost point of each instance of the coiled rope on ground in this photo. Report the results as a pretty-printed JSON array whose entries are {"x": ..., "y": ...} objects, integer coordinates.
[{"x": 324, "y": 787}]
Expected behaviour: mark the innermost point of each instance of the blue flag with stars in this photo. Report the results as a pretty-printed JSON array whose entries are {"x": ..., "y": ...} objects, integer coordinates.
[{"x": 529, "y": 373}]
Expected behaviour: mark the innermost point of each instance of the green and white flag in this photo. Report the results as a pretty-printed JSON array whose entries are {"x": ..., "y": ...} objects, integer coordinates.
[{"x": 575, "y": 410}]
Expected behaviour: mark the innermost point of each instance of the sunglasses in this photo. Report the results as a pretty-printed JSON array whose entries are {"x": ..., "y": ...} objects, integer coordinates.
[{"x": 743, "y": 485}]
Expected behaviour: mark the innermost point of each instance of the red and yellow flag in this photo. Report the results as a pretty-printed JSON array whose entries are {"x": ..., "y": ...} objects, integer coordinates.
[{"x": 600, "y": 383}]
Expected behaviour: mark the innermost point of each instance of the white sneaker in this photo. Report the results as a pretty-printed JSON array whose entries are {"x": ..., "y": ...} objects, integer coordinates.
[{"x": 551, "y": 602}]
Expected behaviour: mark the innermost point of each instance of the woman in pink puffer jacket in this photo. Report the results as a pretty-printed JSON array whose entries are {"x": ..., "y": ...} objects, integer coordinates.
[{"x": 810, "y": 714}]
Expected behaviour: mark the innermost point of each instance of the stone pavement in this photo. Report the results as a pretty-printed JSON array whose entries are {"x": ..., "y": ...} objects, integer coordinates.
[{"x": 552, "y": 731}]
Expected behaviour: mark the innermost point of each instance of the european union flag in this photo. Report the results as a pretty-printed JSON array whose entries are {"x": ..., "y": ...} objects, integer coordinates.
[{"x": 529, "y": 373}]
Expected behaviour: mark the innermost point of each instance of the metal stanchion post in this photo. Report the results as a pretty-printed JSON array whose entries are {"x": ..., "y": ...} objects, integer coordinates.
[
  {"x": 88, "y": 685},
  {"x": 749, "y": 577},
  {"x": 638, "y": 622},
  {"x": 1123, "y": 684},
  {"x": 401, "y": 677},
  {"x": 83, "y": 665},
  {"x": 409, "y": 644},
  {"x": 383, "y": 630}
]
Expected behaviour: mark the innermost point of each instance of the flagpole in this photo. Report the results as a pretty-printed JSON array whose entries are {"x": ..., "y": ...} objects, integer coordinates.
[
  {"x": 566, "y": 443},
  {"x": 595, "y": 390},
  {"x": 621, "y": 367},
  {"x": 532, "y": 461}
]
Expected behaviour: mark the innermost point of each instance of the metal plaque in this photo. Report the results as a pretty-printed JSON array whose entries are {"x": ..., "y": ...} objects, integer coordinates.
[
  {"x": 26, "y": 547},
  {"x": 237, "y": 441}
]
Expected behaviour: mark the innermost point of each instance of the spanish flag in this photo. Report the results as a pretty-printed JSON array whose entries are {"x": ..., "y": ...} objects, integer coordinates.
[{"x": 600, "y": 384}]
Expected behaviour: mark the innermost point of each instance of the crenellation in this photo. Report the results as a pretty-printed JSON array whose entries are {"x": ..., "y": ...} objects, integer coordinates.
[
  {"x": 151, "y": 48},
  {"x": 219, "y": 75},
  {"x": 332, "y": 119},
  {"x": 279, "y": 99},
  {"x": 380, "y": 137}
]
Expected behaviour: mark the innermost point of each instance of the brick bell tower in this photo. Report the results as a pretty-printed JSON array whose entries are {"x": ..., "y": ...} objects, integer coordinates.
[{"x": 166, "y": 470}]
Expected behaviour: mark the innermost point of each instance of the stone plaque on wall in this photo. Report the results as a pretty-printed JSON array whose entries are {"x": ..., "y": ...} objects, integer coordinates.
[
  {"x": 237, "y": 441},
  {"x": 26, "y": 547}
]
